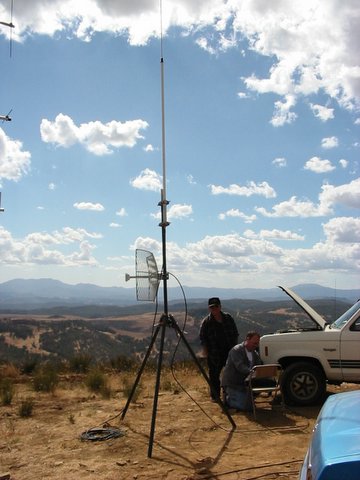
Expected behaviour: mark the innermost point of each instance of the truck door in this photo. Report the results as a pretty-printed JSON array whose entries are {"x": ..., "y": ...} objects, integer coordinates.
[{"x": 350, "y": 351}]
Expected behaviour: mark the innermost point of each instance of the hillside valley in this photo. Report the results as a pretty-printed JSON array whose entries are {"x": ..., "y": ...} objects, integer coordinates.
[{"x": 106, "y": 332}]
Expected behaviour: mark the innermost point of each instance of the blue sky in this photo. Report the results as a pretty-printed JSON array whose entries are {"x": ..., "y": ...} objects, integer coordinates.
[{"x": 262, "y": 141}]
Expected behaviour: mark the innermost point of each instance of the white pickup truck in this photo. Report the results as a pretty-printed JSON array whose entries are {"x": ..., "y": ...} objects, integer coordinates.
[{"x": 315, "y": 356}]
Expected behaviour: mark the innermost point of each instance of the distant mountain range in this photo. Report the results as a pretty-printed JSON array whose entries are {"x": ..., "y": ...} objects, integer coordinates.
[{"x": 29, "y": 294}]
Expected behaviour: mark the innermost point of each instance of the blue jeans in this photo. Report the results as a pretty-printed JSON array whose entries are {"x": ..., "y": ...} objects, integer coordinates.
[{"x": 238, "y": 398}]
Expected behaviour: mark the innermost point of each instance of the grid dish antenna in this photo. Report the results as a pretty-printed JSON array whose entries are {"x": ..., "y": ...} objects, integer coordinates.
[{"x": 147, "y": 276}]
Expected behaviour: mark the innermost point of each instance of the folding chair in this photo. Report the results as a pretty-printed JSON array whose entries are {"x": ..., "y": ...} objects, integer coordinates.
[{"x": 265, "y": 379}]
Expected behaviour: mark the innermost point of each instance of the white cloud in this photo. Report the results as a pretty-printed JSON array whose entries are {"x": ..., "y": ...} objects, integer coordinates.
[
  {"x": 98, "y": 138},
  {"x": 232, "y": 258},
  {"x": 14, "y": 162},
  {"x": 347, "y": 195},
  {"x": 40, "y": 248},
  {"x": 296, "y": 208},
  {"x": 343, "y": 230},
  {"x": 236, "y": 213},
  {"x": 114, "y": 225},
  {"x": 317, "y": 165},
  {"x": 191, "y": 180},
  {"x": 343, "y": 163},
  {"x": 51, "y": 186},
  {"x": 321, "y": 112},
  {"x": 204, "y": 43},
  {"x": 279, "y": 162},
  {"x": 302, "y": 62},
  {"x": 121, "y": 212},
  {"x": 179, "y": 211},
  {"x": 176, "y": 211},
  {"x": 252, "y": 188},
  {"x": 223, "y": 250},
  {"x": 147, "y": 243},
  {"x": 274, "y": 234},
  {"x": 147, "y": 180},
  {"x": 65, "y": 236},
  {"x": 96, "y": 207},
  {"x": 330, "y": 142},
  {"x": 149, "y": 148},
  {"x": 282, "y": 112}
]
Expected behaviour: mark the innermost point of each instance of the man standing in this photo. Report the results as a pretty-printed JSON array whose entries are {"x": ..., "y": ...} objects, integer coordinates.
[{"x": 218, "y": 334}]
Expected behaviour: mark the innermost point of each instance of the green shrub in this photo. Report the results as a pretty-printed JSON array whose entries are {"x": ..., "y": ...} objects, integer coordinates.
[
  {"x": 80, "y": 363},
  {"x": 6, "y": 391},
  {"x": 122, "y": 363},
  {"x": 106, "y": 391},
  {"x": 96, "y": 381},
  {"x": 28, "y": 367},
  {"x": 169, "y": 386},
  {"x": 26, "y": 407},
  {"x": 127, "y": 387},
  {"x": 45, "y": 379}
]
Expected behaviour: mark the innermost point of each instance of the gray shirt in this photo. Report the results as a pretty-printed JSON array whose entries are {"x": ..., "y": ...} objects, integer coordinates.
[{"x": 238, "y": 366}]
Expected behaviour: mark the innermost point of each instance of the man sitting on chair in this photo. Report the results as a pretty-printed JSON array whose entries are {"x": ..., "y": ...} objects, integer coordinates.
[{"x": 241, "y": 359}]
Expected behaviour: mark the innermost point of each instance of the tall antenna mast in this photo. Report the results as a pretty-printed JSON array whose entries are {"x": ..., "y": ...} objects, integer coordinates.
[
  {"x": 10, "y": 24},
  {"x": 7, "y": 118},
  {"x": 1, "y": 209},
  {"x": 163, "y": 149},
  {"x": 166, "y": 319},
  {"x": 164, "y": 202}
]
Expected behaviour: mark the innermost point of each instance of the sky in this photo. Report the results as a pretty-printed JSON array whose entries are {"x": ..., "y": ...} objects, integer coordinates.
[{"x": 255, "y": 144}]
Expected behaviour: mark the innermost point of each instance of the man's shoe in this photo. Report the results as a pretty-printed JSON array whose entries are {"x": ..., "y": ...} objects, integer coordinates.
[
  {"x": 231, "y": 411},
  {"x": 276, "y": 400},
  {"x": 215, "y": 400}
]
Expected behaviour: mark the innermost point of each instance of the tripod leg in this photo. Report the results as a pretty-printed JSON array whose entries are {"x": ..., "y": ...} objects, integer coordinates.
[
  {"x": 157, "y": 387},
  {"x": 140, "y": 371},
  {"x": 200, "y": 367}
]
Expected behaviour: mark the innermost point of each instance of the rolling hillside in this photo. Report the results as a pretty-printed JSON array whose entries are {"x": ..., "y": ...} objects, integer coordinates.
[{"x": 104, "y": 333}]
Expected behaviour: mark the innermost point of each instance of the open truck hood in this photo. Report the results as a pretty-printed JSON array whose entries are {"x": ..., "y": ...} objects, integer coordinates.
[{"x": 310, "y": 312}]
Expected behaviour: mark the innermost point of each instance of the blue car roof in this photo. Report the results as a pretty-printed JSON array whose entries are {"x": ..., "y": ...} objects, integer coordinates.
[{"x": 336, "y": 440}]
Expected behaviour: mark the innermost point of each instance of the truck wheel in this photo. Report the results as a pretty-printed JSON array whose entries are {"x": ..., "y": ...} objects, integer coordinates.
[{"x": 303, "y": 384}]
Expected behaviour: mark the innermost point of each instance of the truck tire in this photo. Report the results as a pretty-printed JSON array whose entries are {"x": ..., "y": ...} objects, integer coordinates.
[{"x": 303, "y": 384}]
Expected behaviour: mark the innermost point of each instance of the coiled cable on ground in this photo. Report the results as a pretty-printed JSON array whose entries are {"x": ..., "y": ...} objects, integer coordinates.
[{"x": 100, "y": 434}]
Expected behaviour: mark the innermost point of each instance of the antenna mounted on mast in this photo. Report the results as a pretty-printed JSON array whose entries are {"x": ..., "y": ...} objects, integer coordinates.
[
  {"x": 146, "y": 275},
  {"x": 7, "y": 118},
  {"x": 10, "y": 24}
]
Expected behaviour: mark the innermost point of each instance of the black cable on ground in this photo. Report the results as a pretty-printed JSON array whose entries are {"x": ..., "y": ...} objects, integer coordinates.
[{"x": 100, "y": 434}]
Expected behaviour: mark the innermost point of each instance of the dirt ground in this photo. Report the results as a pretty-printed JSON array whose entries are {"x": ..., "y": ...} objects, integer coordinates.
[{"x": 193, "y": 438}]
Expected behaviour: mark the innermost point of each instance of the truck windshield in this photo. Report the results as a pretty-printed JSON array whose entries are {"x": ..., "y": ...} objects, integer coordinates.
[{"x": 345, "y": 317}]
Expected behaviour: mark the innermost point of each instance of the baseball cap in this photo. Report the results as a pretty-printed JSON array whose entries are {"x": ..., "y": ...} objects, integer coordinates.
[{"x": 214, "y": 302}]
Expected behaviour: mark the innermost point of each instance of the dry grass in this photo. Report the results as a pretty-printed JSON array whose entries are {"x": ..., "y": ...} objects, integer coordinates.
[{"x": 193, "y": 438}]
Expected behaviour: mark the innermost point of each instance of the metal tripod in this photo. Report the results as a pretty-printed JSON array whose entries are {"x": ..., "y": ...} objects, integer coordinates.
[{"x": 166, "y": 321}]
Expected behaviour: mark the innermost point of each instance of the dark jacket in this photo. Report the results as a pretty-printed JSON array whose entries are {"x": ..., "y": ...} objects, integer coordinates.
[
  {"x": 238, "y": 367},
  {"x": 218, "y": 337}
]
